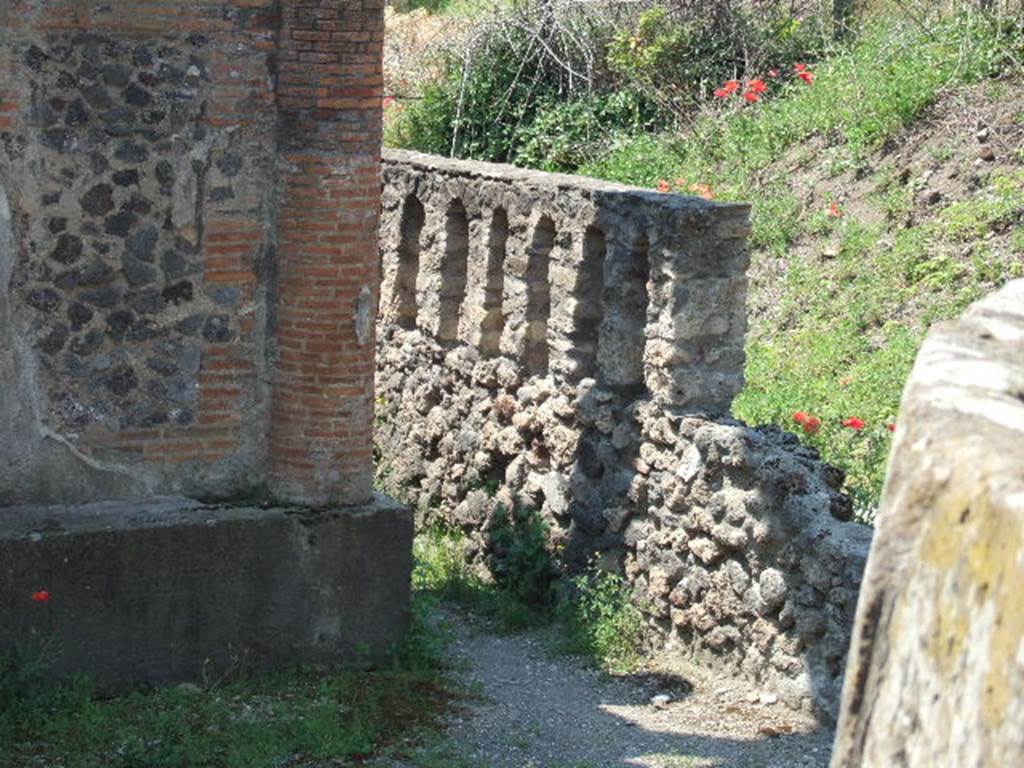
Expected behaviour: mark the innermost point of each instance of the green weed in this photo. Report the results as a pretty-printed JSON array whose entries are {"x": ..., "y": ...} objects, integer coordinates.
[
  {"x": 603, "y": 620},
  {"x": 258, "y": 721},
  {"x": 592, "y": 614}
]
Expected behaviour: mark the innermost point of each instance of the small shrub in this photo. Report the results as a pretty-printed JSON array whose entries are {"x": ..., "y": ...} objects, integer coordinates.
[
  {"x": 442, "y": 573},
  {"x": 481, "y": 104},
  {"x": 440, "y": 565},
  {"x": 567, "y": 134},
  {"x": 604, "y": 622},
  {"x": 520, "y": 560}
]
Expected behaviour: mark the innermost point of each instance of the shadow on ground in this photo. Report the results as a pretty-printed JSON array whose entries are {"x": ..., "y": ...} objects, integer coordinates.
[{"x": 533, "y": 709}]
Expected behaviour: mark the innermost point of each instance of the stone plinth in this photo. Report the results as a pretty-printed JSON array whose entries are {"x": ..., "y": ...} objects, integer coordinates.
[{"x": 172, "y": 590}]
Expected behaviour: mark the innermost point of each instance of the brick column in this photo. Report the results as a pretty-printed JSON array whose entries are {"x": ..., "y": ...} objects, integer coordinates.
[{"x": 329, "y": 92}]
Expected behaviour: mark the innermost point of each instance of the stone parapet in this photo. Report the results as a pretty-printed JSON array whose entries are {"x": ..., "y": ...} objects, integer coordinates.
[
  {"x": 569, "y": 277},
  {"x": 572, "y": 347}
]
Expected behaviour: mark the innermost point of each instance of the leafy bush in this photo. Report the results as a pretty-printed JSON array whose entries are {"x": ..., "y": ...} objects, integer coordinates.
[
  {"x": 519, "y": 599},
  {"x": 567, "y": 134},
  {"x": 680, "y": 54},
  {"x": 520, "y": 560},
  {"x": 591, "y": 614},
  {"x": 441, "y": 567},
  {"x": 604, "y": 622}
]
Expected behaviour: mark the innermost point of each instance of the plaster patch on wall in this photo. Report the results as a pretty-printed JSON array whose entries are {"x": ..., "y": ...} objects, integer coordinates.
[{"x": 363, "y": 315}]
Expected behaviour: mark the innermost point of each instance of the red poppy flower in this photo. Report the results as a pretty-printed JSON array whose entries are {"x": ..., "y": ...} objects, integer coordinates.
[
  {"x": 891, "y": 427},
  {"x": 807, "y": 76},
  {"x": 42, "y": 596},
  {"x": 729, "y": 87},
  {"x": 834, "y": 210},
  {"x": 751, "y": 96},
  {"x": 387, "y": 101},
  {"x": 811, "y": 425},
  {"x": 799, "y": 417},
  {"x": 757, "y": 86},
  {"x": 663, "y": 186},
  {"x": 854, "y": 423},
  {"x": 800, "y": 67}
]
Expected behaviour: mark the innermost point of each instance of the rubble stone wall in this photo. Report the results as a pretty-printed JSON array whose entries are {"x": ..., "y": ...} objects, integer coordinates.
[
  {"x": 573, "y": 347},
  {"x": 936, "y": 668},
  {"x": 189, "y": 197}
]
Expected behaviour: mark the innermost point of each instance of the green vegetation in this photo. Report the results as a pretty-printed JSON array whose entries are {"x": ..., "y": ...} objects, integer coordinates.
[
  {"x": 296, "y": 717},
  {"x": 840, "y": 301},
  {"x": 592, "y": 614},
  {"x": 505, "y": 105},
  {"x": 603, "y": 620}
]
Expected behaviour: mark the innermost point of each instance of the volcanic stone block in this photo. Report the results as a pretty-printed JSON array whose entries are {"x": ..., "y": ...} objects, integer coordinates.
[
  {"x": 936, "y": 667},
  {"x": 167, "y": 590}
]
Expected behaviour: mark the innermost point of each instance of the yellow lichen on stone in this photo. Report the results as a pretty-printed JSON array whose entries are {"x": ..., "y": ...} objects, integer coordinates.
[{"x": 976, "y": 546}]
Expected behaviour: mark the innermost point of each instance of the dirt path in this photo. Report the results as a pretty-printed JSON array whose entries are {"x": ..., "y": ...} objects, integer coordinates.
[{"x": 539, "y": 710}]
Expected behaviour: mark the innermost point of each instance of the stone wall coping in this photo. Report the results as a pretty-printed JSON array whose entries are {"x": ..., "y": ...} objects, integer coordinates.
[
  {"x": 161, "y": 512},
  {"x": 541, "y": 179}
]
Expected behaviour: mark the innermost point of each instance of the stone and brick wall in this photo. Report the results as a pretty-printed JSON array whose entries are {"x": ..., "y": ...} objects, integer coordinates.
[
  {"x": 573, "y": 347},
  {"x": 189, "y": 197}
]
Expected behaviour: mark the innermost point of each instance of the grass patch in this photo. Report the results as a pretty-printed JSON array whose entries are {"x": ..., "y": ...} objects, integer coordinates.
[{"x": 296, "y": 717}]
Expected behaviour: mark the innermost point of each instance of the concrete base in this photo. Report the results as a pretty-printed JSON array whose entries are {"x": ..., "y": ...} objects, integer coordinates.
[{"x": 169, "y": 589}]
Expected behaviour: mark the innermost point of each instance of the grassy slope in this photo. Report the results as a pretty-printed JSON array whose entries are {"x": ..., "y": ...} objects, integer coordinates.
[{"x": 840, "y": 304}]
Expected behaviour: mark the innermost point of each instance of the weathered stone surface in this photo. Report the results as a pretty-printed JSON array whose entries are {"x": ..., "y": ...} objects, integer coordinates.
[
  {"x": 568, "y": 276},
  {"x": 155, "y": 180},
  {"x": 170, "y": 589},
  {"x": 936, "y": 668},
  {"x": 578, "y": 375}
]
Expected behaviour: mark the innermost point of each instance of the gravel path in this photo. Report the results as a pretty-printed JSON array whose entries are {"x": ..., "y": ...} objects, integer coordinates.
[{"x": 539, "y": 710}]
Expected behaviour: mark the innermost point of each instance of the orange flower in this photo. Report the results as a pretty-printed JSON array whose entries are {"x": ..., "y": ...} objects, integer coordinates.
[
  {"x": 811, "y": 425},
  {"x": 799, "y": 417},
  {"x": 751, "y": 96},
  {"x": 757, "y": 86},
  {"x": 704, "y": 190}
]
